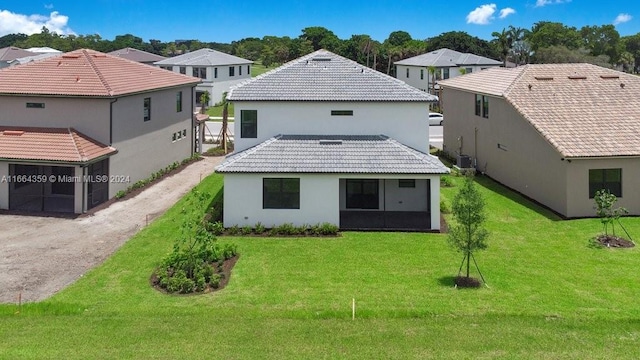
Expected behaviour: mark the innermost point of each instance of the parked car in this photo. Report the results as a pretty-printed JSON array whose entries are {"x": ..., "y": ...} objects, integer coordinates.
[{"x": 435, "y": 118}]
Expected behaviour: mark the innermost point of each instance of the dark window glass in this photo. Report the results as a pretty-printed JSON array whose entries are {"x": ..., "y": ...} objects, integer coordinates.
[
  {"x": 478, "y": 105},
  {"x": 281, "y": 193},
  {"x": 147, "y": 109},
  {"x": 609, "y": 179},
  {"x": 446, "y": 73},
  {"x": 179, "y": 101},
  {"x": 215, "y": 73},
  {"x": 341, "y": 112},
  {"x": 406, "y": 183},
  {"x": 183, "y": 70},
  {"x": 485, "y": 107},
  {"x": 232, "y": 71},
  {"x": 240, "y": 70},
  {"x": 248, "y": 69},
  {"x": 200, "y": 72},
  {"x": 362, "y": 194},
  {"x": 249, "y": 123},
  {"x": 31, "y": 105},
  {"x": 407, "y": 72},
  {"x": 421, "y": 74},
  {"x": 27, "y": 170},
  {"x": 62, "y": 187}
]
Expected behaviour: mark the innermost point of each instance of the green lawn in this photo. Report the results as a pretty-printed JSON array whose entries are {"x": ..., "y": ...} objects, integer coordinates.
[{"x": 551, "y": 296}]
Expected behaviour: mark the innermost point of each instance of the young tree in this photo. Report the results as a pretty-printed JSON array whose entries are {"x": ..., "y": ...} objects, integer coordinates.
[
  {"x": 605, "y": 200},
  {"x": 204, "y": 101},
  {"x": 468, "y": 235},
  {"x": 225, "y": 121}
]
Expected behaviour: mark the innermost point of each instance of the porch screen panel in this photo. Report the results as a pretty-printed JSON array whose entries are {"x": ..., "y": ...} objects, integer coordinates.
[{"x": 362, "y": 194}]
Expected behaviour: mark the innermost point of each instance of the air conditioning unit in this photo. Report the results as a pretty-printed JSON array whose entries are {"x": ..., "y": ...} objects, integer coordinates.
[{"x": 463, "y": 161}]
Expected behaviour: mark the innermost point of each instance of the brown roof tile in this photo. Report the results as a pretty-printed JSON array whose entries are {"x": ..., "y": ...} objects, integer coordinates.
[
  {"x": 583, "y": 110},
  {"x": 87, "y": 73},
  {"x": 50, "y": 144},
  {"x": 11, "y": 53}
]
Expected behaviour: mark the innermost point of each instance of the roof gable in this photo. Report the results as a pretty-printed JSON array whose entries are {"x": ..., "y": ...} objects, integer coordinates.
[
  {"x": 325, "y": 76},
  {"x": 87, "y": 73},
  {"x": 204, "y": 57},
  {"x": 448, "y": 58},
  {"x": 11, "y": 53},
  {"x": 136, "y": 55}
]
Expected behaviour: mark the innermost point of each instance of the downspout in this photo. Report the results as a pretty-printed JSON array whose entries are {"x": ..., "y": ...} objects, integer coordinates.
[
  {"x": 111, "y": 121},
  {"x": 193, "y": 125}
]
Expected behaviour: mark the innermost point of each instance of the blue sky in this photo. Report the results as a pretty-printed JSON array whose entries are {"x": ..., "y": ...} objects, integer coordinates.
[{"x": 225, "y": 21}]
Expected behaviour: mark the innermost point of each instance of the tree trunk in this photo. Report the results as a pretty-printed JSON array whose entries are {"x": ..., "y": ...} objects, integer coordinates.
[{"x": 225, "y": 123}]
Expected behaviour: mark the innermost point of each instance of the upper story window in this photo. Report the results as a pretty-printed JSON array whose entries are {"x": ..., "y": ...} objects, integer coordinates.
[
  {"x": 240, "y": 70},
  {"x": 249, "y": 124},
  {"x": 281, "y": 193},
  {"x": 166, "y": 67},
  {"x": 183, "y": 70},
  {"x": 341, "y": 112},
  {"x": 215, "y": 73},
  {"x": 32, "y": 105},
  {"x": 468, "y": 70},
  {"x": 232, "y": 70},
  {"x": 407, "y": 72},
  {"x": 482, "y": 106},
  {"x": 607, "y": 179},
  {"x": 248, "y": 69},
  {"x": 445, "y": 73},
  {"x": 200, "y": 72},
  {"x": 421, "y": 74},
  {"x": 179, "y": 101},
  {"x": 147, "y": 109}
]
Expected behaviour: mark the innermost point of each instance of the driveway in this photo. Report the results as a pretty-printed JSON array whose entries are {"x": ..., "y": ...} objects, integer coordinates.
[{"x": 40, "y": 256}]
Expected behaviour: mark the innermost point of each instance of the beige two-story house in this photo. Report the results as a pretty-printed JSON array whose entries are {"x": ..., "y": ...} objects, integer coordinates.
[
  {"x": 77, "y": 128},
  {"x": 556, "y": 133}
]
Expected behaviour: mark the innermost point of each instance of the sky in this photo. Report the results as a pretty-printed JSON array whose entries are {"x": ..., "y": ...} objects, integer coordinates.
[{"x": 226, "y": 21}]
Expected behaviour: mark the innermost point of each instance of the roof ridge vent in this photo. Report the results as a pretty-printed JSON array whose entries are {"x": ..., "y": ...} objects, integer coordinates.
[
  {"x": 321, "y": 58},
  {"x": 13, "y": 132},
  {"x": 610, "y": 76},
  {"x": 543, "y": 78},
  {"x": 577, "y": 77},
  {"x": 70, "y": 56},
  {"x": 330, "y": 142}
]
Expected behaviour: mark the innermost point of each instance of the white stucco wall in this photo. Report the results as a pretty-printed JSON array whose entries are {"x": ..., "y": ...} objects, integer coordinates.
[
  {"x": 424, "y": 83},
  {"x": 243, "y": 201},
  {"x": 405, "y": 122},
  {"x": 217, "y": 85},
  {"x": 145, "y": 147}
]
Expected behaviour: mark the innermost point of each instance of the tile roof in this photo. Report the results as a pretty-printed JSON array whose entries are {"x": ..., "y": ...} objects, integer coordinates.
[
  {"x": 204, "y": 57},
  {"x": 325, "y": 76},
  {"x": 137, "y": 55},
  {"x": 582, "y": 110},
  {"x": 448, "y": 58},
  {"x": 28, "y": 59},
  {"x": 493, "y": 81},
  {"x": 11, "y": 53},
  {"x": 344, "y": 154},
  {"x": 87, "y": 73},
  {"x": 50, "y": 144}
]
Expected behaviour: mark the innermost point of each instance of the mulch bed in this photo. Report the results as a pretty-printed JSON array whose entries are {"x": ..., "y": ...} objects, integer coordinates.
[
  {"x": 467, "y": 282},
  {"x": 227, "y": 266},
  {"x": 614, "y": 241}
]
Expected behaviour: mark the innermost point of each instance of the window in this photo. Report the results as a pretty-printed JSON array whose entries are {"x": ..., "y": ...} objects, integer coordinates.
[
  {"x": 31, "y": 105},
  {"x": 421, "y": 74},
  {"x": 232, "y": 71},
  {"x": 200, "y": 72},
  {"x": 166, "y": 68},
  {"x": 249, "y": 123},
  {"x": 610, "y": 179},
  {"x": 485, "y": 106},
  {"x": 362, "y": 194},
  {"x": 147, "y": 109},
  {"x": 469, "y": 70},
  {"x": 406, "y": 183},
  {"x": 239, "y": 70},
  {"x": 248, "y": 69},
  {"x": 341, "y": 112},
  {"x": 445, "y": 72},
  {"x": 478, "y": 105},
  {"x": 281, "y": 193},
  {"x": 407, "y": 72},
  {"x": 183, "y": 70},
  {"x": 179, "y": 101},
  {"x": 215, "y": 73}
]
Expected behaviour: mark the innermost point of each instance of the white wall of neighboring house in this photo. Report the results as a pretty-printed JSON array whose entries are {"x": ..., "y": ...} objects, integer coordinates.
[
  {"x": 404, "y": 122},
  {"x": 217, "y": 85},
  {"x": 424, "y": 83},
  {"x": 243, "y": 200}
]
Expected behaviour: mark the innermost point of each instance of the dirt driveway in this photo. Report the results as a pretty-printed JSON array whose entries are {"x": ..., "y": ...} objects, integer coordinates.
[{"x": 40, "y": 256}]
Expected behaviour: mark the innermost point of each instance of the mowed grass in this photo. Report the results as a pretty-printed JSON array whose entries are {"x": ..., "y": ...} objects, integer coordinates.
[{"x": 551, "y": 296}]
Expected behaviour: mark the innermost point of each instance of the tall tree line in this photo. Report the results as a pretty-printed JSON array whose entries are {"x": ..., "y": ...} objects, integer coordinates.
[{"x": 545, "y": 42}]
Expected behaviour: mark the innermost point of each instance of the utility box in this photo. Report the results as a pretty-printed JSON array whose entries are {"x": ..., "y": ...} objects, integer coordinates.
[{"x": 464, "y": 161}]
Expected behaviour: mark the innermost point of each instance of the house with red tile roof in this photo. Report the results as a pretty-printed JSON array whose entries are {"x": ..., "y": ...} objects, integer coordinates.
[
  {"x": 556, "y": 133},
  {"x": 11, "y": 53},
  {"x": 77, "y": 128}
]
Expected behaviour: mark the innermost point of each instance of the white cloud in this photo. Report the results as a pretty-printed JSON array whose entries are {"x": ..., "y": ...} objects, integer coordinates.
[
  {"x": 12, "y": 23},
  {"x": 540, "y": 3},
  {"x": 482, "y": 15},
  {"x": 48, "y": 6},
  {"x": 622, "y": 18},
  {"x": 506, "y": 12}
]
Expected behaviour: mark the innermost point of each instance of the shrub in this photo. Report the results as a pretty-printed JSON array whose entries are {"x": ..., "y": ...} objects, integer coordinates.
[
  {"x": 259, "y": 228},
  {"x": 328, "y": 229},
  {"x": 444, "y": 207},
  {"x": 446, "y": 181},
  {"x": 120, "y": 194},
  {"x": 285, "y": 229},
  {"x": 246, "y": 230},
  {"x": 234, "y": 230},
  {"x": 216, "y": 228}
]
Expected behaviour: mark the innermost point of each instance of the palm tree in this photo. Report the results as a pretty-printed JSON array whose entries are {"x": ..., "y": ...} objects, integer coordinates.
[
  {"x": 204, "y": 101},
  {"x": 503, "y": 40},
  {"x": 432, "y": 71},
  {"x": 225, "y": 121}
]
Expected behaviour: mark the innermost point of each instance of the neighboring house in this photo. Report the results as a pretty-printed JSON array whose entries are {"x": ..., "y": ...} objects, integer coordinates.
[
  {"x": 76, "y": 129},
  {"x": 28, "y": 59},
  {"x": 137, "y": 55},
  {"x": 11, "y": 53},
  {"x": 325, "y": 139},
  {"x": 447, "y": 63},
  {"x": 556, "y": 133},
  {"x": 44, "y": 50},
  {"x": 218, "y": 71}
]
